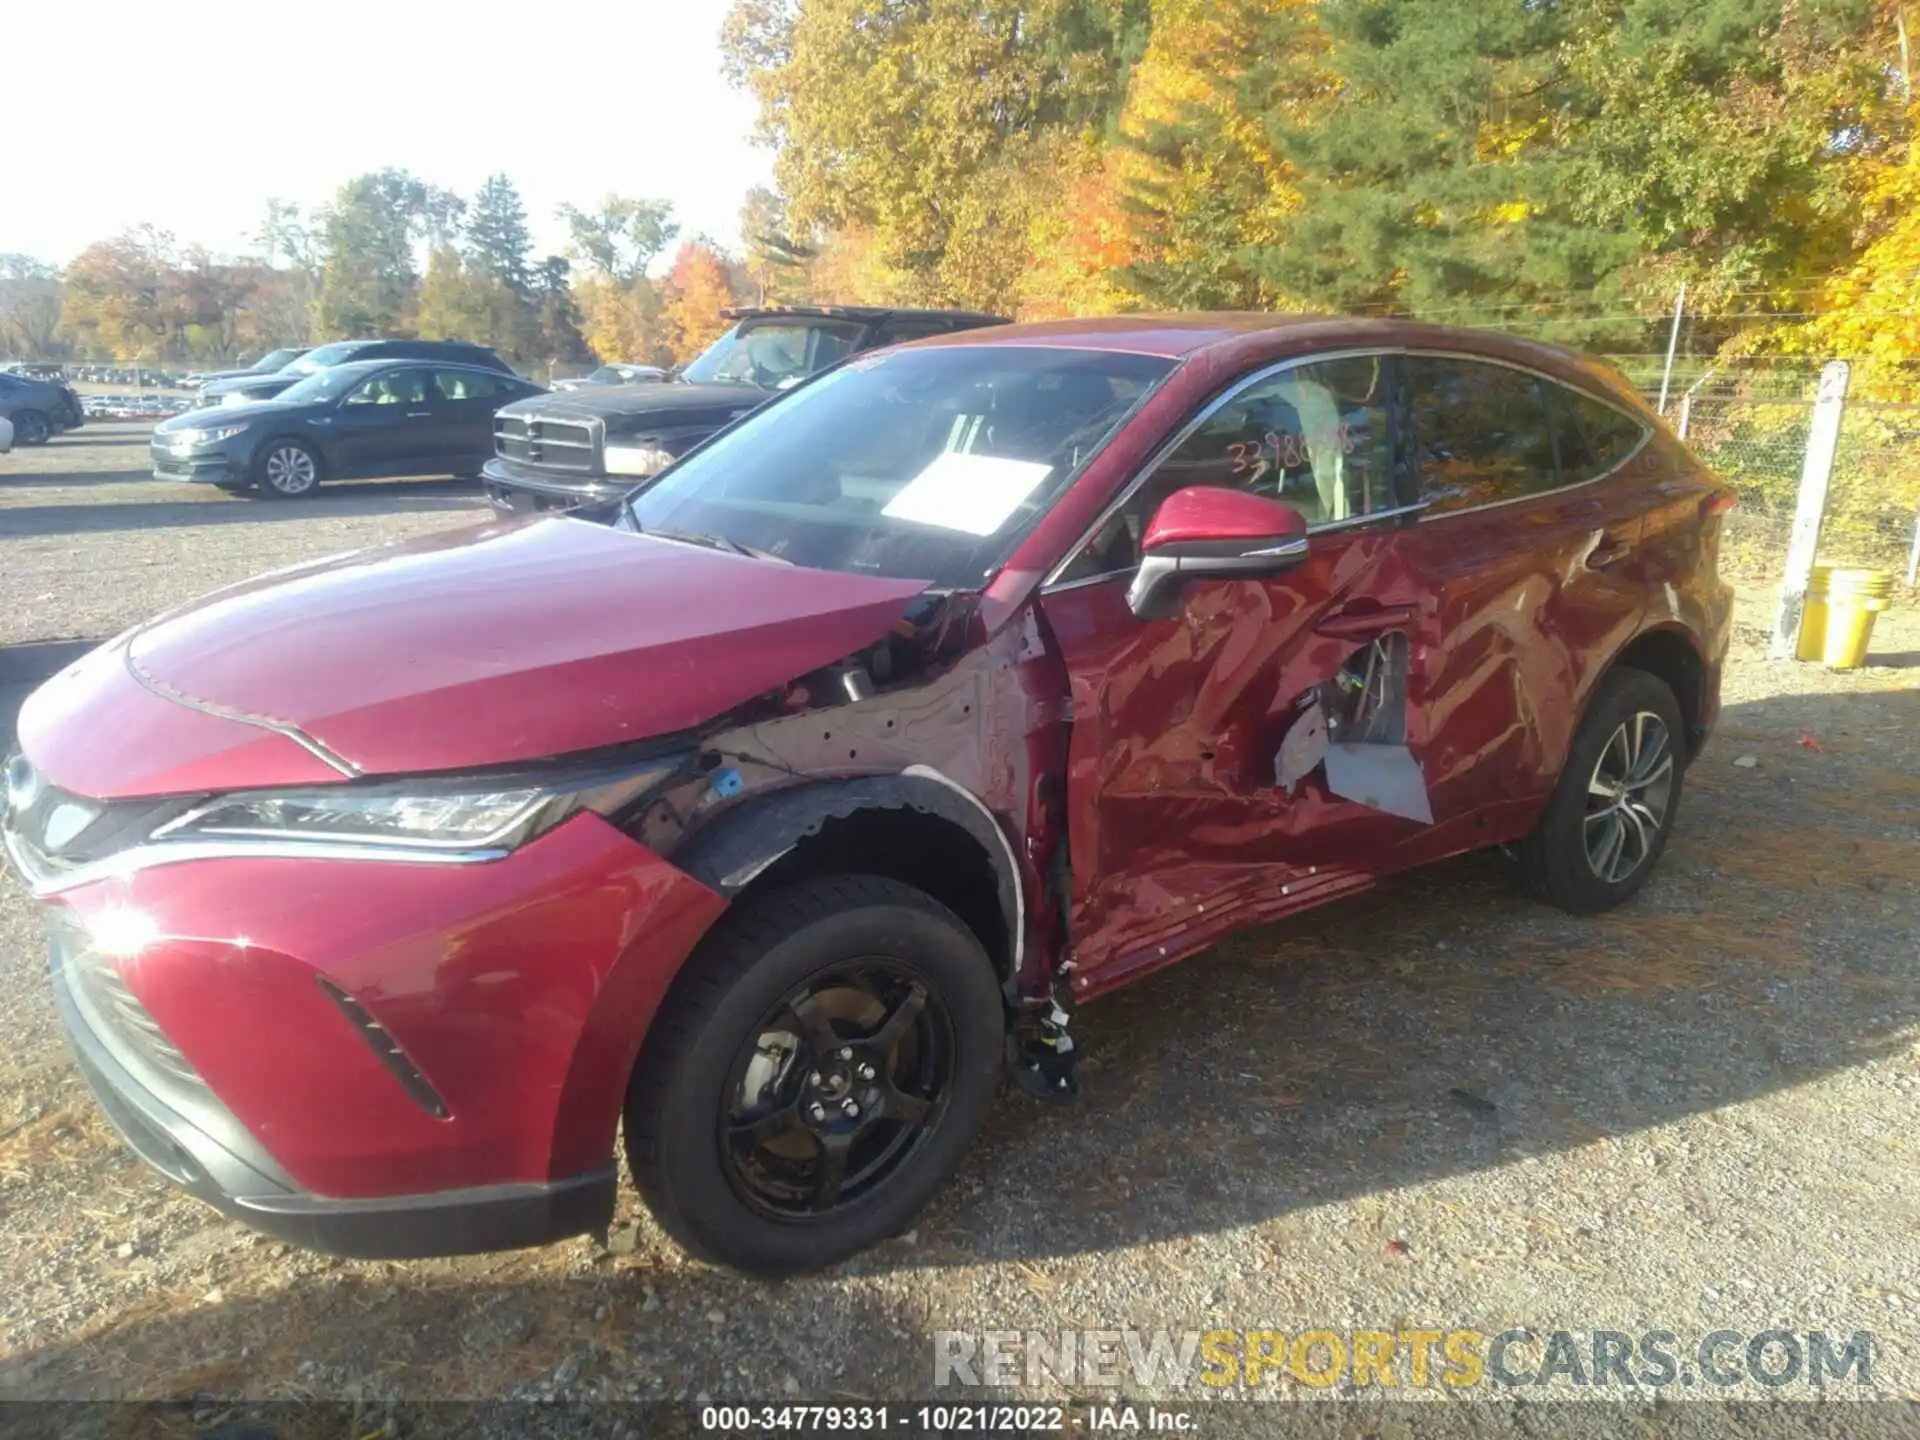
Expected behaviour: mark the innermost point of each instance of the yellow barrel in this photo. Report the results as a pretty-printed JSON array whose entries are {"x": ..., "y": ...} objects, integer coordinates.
[{"x": 1836, "y": 627}]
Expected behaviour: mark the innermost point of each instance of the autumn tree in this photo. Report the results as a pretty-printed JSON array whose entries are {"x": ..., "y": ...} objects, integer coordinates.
[
  {"x": 30, "y": 301},
  {"x": 367, "y": 279},
  {"x": 776, "y": 262},
  {"x": 116, "y": 294},
  {"x": 614, "y": 244},
  {"x": 697, "y": 289},
  {"x": 621, "y": 236},
  {"x": 906, "y": 122}
]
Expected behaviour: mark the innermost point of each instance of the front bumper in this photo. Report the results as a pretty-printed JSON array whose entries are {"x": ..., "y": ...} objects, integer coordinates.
[
  {"x": 205, "y": 467},
  {"x": 205, "y": 1151},
  {"x": 515, "y": 490},
  {"x": 516, "y": 990}
]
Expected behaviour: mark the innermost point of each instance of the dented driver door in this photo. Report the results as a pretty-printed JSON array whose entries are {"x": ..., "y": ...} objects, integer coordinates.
[{"x": 1185, "y": 819}]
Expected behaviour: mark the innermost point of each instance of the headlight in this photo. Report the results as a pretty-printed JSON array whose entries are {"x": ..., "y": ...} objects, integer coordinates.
[
  {"x": 641, "y": 460},
  {"x": 188, "y": 439},
  {"x": 464, "y": 815}
]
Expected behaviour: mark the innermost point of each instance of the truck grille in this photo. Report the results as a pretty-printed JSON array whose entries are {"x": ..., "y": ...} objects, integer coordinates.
[{"x": 550, "y": 444}]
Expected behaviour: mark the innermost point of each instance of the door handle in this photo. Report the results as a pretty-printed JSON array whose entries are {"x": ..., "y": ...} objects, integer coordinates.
[
  {"x": 419, "y": 414},
  {"x": 1357, "y": 624}
]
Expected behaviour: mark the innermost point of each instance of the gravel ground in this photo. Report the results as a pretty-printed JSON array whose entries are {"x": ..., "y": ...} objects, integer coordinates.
[
  {"x": 1435, "y": 1105},
  {"x": 90, "y": 543}
]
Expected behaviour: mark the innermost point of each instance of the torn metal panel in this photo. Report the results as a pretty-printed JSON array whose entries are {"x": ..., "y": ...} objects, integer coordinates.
[
  {"x": 1382, "y": 777},
  {"x": 1368, "y": 702},
  {"x": 1304, "y": 747},
  {"x": 1354, "y": 727}
]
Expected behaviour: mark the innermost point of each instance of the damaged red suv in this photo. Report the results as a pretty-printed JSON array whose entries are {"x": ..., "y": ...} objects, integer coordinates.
[{"x": 769, "y": 817}]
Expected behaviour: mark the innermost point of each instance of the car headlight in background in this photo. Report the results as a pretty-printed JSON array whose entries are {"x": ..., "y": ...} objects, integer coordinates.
[
  {"x": 638, "y": 460},
  {"x": 471, "y": 815}
]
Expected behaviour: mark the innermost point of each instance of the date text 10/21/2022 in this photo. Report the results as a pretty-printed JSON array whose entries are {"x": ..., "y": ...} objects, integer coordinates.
[{"x": 962, "y": 1419}]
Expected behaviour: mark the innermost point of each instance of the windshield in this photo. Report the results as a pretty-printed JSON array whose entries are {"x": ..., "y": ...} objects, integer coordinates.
[
  {"x": 316, "y": 360},
  {"x": 327, "y": 385},
  {"x": 272, "y": 361},
  {"x": 773, "y": 353},
  {"x": 917, "y": 464}
]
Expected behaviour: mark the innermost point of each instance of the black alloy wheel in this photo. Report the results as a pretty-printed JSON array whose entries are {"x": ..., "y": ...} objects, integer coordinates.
[
  {"x": 815, "y": 1075},
  {"x": 844, "y": 1081}
]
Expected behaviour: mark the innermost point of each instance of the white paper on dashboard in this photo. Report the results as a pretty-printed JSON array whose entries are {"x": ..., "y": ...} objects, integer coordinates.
[{"x": 970, "y": 493}]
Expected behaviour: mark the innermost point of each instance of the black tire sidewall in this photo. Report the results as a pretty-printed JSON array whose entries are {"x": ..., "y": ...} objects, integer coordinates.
[
  {"x": 30, "y": 427},
  {"x": 685, "y": 1181},
  {"x": 1560, "y": 854}
]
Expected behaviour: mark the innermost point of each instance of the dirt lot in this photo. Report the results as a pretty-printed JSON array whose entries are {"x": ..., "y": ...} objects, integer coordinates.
[{"x": 1433, "y": 1105}]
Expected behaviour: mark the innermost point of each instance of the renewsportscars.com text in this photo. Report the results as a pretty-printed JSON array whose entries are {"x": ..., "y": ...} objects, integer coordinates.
[{"x": 1217, "y": 1360}]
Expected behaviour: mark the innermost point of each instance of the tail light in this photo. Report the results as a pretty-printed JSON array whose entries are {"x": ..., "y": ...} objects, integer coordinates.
[{"x": 1717, "y": 504}]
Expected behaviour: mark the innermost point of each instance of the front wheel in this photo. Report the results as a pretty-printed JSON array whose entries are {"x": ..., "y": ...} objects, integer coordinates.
[
  {"x": 815, "y": 1076},
  {"x": 1607, "y": 824},
  {"x": 289, "y": 470},
  {"x": 30, "y": 427}
]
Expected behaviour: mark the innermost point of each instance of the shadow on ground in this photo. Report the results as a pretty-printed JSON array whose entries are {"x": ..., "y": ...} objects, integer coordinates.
[
  {"x": 341, "y": 501},
  {"x": 1438, "y": 1026}
]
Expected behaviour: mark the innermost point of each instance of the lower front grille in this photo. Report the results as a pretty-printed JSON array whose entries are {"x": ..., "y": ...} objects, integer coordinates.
[{"x": 94, "y": 980}]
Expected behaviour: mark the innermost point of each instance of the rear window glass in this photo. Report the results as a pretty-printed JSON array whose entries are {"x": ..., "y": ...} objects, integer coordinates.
[{"x": 1594, "y": 438}]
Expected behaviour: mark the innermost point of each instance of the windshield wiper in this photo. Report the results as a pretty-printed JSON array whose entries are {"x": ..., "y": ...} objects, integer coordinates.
[{"x": 714, "y": 542}]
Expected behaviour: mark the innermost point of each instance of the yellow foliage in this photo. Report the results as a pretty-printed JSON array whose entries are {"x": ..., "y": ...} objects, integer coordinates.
[
  {"x": 1199, "y": 53},
  {"x": 697, "y": 291},
  {"x": 1872, "y": 310},
  {"x": 620, "y": 322}
]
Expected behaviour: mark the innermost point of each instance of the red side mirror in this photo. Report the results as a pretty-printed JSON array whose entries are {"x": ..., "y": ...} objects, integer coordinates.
[
  {"x": 1218, "y": 518},
  {"x": 1207, "y": 530}
]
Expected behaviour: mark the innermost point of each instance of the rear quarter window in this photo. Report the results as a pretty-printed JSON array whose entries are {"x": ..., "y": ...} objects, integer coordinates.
[{"x": 1594, "y": 438}]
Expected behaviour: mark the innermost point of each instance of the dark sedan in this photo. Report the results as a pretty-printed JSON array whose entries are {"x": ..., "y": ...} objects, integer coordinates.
[
  {"x": 240, "y": 389},
  {"x": 359, "y": 421},
  {"x": 41, "y": 409}
]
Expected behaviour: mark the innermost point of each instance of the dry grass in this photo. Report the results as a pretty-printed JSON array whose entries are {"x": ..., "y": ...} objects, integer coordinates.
[
  {"x": 1642, "y": 953},
  {"x": 1810, "y": 860}
]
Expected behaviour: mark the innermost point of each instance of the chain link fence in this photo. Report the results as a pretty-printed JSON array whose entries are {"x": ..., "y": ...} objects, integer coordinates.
[{"x": 1751, "y": 425}]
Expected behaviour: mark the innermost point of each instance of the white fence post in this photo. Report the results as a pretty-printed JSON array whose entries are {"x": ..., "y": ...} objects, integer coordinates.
[{"x": 1823, "y": 440}]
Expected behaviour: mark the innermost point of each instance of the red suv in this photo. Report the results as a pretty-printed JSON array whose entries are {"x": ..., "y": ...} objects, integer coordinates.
[{"x": 771, "y": 814}]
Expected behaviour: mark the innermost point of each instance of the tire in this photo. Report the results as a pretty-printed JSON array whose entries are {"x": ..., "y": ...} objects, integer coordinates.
[
  {"x": 287, "y": 470},
  {"x": 1615, "y": 742},
  {"x": 30, "y": 427},
  {"x": 725, "y": 1195}
]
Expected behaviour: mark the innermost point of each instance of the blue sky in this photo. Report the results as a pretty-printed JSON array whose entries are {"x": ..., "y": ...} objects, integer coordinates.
[{"x": 216, "y": 105}]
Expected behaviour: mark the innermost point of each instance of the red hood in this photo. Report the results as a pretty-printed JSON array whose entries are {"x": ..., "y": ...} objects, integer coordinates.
[{"x": 498, "y": 643}]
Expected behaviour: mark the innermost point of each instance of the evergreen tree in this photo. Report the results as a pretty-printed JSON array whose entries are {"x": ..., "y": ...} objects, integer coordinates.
[
  {"x": 498, "y": 243},
  {"x": 558, "y": 313}
]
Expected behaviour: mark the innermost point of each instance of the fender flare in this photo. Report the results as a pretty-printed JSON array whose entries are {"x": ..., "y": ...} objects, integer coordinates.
[{"x": 732, "y": 852}]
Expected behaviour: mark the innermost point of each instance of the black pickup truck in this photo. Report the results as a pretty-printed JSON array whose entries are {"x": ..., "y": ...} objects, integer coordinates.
[{"x": 553, "y": 452}]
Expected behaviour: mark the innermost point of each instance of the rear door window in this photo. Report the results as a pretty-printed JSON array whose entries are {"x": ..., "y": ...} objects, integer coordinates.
[
  {"x": 1482, "y": 434},
  {"x": 405, "y": 386},
  {"x": 461, "y": 385}
]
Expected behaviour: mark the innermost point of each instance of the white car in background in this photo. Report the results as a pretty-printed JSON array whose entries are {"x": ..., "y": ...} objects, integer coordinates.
[{"x": 615, "y": 375}]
